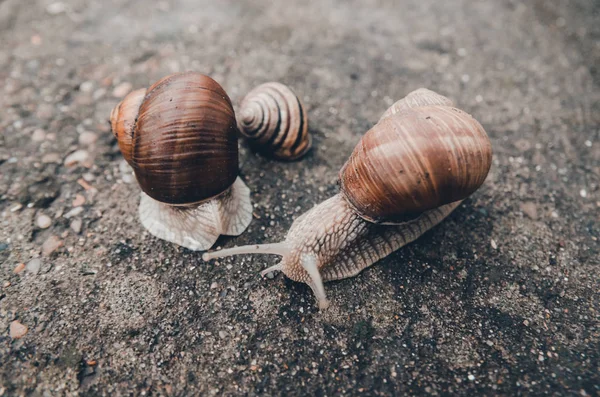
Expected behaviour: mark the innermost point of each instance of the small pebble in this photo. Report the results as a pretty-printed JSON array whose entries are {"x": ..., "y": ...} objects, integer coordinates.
[
  {"x": 51, "y": 244},
  {"x": 77, "y": 157},
  {"x": 493, "y": 244},
  {"x": 86, "y": 86},
  {"x": 56, "y": 8},
  {"x": 19, "y": 268},
  {"x": 51, "y": 158},
  {"x": 38, "y": 135},
  {"x": 78, "y": 201},
  {"x": 16, "y": 207},
  {"x": 471, "y": 377},
  {"x": 122, "y": 89},
  {"x": 43, "y": 221},
  {"x": 36, "y": 39},
  {"x": 34, "y": 265},
  {"x": 84, "y": 184},
  {"x": 583, "y": 193},
  {"x": 74, "y": 212},
  {"x": 17, "y": 330},
  {"x": 87, "y": 138},
  {"x": 222, "y": 334},
  {"x": 529, "y": 208},
  {"x": 214, "y": 286},
  {"x": 76, "y": 225},
  {"x": 6, "y": 284},
  {"x": 270, "y": 275}
]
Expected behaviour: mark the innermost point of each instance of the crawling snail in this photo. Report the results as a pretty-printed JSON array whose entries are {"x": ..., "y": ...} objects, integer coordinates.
[
  {"x": 180, "y": 138},
  {"x": 407, "y": 173},
  {"x": 274, "y": 121}
]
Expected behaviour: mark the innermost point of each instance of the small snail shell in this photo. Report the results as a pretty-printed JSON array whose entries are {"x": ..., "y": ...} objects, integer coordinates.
[
  {"x": 425, "y": 158},
  {"x": 274, "y": 120},
  {"x": 180, "y": 138}
]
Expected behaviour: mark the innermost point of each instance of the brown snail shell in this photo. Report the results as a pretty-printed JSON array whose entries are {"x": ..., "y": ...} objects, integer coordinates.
[
  {"x": 416, "y": 98},
  {"x": 122, "y": 121},
  {"x": 274, "y": 120},
  {"x": 416, "y": 160},
  {"x": 180, "y": 137}
]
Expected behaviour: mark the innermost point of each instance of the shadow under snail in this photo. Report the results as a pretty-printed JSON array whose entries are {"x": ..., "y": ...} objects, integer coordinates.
[
  {"x": 180, "y": 138},
  {"x": 407, "y": 174}
]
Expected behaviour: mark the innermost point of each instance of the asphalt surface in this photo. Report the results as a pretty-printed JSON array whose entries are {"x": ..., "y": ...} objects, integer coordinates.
[{"x": 501, "y": 298}]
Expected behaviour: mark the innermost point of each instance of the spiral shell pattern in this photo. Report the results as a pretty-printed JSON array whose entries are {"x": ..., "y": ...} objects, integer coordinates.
[
  {"x": 274, "y": 120},
  {"x": 122, "y": 121},
  {"x": 180, "y": 138},
  {"x": 416, "y": 160}
]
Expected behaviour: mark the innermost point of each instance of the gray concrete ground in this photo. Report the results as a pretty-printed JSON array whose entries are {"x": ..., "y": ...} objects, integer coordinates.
[{"x": 501, "y": 298}]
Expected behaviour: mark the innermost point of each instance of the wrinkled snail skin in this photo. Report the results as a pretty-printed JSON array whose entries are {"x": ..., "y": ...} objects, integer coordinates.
[
  {"x": 274, "y": 121},
  {"x": 180, "y": 137},
  {"x": 332, "y": 242},
  {"x": 345, "y": 234}
]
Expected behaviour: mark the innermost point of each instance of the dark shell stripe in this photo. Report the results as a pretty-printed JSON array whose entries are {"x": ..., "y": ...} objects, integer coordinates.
[
  {"x": 416, "y": 160},
  {"x": 184, "y": 146}
]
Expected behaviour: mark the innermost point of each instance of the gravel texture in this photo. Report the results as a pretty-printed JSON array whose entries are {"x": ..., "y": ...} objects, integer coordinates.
[{"x": 501, "y": 298}]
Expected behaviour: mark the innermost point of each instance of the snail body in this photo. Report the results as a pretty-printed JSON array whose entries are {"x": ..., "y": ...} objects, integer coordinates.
[
  {"x": 180, "y": 138},
  {"x": 274, "y": 121},
  {"x": 406, "y": 175}
]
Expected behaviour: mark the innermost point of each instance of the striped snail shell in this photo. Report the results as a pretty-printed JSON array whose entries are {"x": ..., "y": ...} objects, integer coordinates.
[
  {"x": 274, "y": 120},
  {"x": 421, "y": 161},
  {"x": 416, "y": 160},
  {"x": 122, "y": 121},
  {"x": 180, "y": 138}
]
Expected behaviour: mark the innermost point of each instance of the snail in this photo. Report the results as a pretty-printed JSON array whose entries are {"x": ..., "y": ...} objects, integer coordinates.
[
  {"x": 407, "y": 173},
  {"x": 274, "y": 120},
  {"x": 180, "y": 138}
]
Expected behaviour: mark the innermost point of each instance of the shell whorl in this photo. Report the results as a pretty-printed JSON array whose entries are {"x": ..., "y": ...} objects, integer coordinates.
[
  {"x": 122, "y": 121},
  {"x": 416, "y": 98},
  {"x": 415, "y": 160},
  {"x": 180, "y": 138},
  {"x": 274, "y": 120}
]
